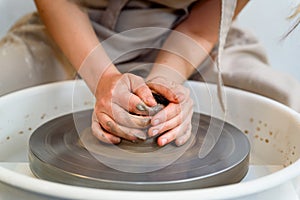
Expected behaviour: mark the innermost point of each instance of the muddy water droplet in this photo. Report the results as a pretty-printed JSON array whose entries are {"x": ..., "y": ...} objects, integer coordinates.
[
  {"x": 21, "y": 132},
  {"x": 246, "y": 131},
  {"x": 43, "y": 116},
  {"x": 266, "y": 140},
  {"x": 7, "y": 138},
  {"x": 251, "y": 119},
  {"x": 271, "y": 133}
]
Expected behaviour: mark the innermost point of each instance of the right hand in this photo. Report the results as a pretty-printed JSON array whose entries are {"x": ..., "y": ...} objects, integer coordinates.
[
  {"x": 173, "y": 123},
  {"x": 117, "y": 96}
]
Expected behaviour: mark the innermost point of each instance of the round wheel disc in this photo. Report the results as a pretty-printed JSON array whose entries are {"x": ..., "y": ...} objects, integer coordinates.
[{"x": 57, "y": 153}]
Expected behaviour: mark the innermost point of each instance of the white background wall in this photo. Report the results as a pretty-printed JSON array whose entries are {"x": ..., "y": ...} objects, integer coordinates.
[
  {"x": 266, "y": 18},
  {"x": 11, "y": 10}
]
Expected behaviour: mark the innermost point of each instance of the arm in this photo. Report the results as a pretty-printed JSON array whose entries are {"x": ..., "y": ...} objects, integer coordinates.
[
  {"x": 199, "y": 35},
  {"x": 71, "y": 29},
  {"x": 116, "y": 94},
  {"x": 186, "y": 48}
]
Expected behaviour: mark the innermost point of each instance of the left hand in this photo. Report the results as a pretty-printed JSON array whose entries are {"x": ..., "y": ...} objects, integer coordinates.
[
  {"x": 120, "y": 98},
  {"x": 174, "y": 121}
]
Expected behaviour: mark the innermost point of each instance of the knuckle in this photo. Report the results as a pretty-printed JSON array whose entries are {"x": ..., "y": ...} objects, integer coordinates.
[
  {"x": 109, "y": 126},
  {"x": 143, "y": 122},
  {"x": 94, "y": 128},
  {"x": 101, "y": 103},
  {"x": 173, "y": 135},
  {"x": 165, "y": 126},
  {"x": 177, "y": 108}
]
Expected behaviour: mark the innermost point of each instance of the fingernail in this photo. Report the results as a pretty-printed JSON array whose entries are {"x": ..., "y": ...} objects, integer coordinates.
[
  {"x": 163, "y": 141},
  {"x": 179, "y": 142},
  {"x": 154, "y": 132},
  {"x": 117, "y": 140},
  {"x": 140, "y": 136},
  {"x": 151, "y": 101},
  {"x": 155, "y": 122},
  {"x": 141, "y": 107},
  {"x": 180, "y": 97}
]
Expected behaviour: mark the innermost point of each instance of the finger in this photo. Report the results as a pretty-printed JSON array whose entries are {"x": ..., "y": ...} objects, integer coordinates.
[
  {"x": 133, "y": 104},
  {"x": 124, "y": 118},
  {"x": 121, "y": 131},
  {"x": 102, "y": 135},
  {"x": 185, "y": 137},
  {"x": 169, "y": 112},
  {"x": 130, "y": 102},
  {"x": 172, "y": 123},
  {"x": 139, "y": 87},
  {"x": 176, "y": 132},
  {"x": 172, "y": 91},
  {"x": 146, "y": 95}
]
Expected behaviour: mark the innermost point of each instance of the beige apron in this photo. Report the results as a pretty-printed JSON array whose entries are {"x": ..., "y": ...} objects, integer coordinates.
[{"x": 29, "y": 57}]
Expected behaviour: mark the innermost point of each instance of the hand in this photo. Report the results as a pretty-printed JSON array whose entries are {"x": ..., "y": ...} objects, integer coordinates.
[
  {"x": 117, "y": 96},
  {"x": 174, "y": 121}
]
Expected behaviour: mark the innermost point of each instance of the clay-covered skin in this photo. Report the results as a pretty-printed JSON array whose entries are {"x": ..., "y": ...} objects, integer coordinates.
[{"x": 161, "y": 103}]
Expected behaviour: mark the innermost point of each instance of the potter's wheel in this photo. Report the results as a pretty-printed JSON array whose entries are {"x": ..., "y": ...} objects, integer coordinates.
[{"x": 57, "y": 154}]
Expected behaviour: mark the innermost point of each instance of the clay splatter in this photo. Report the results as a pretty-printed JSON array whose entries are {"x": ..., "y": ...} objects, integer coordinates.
[
  {"x": 270, "y": 133},
  {"x": 266, "y": 140},
  {"x": 43, "y": 116}
]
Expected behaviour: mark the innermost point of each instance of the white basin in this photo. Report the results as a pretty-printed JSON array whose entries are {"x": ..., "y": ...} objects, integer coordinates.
[{"x": 272, "y": 128}]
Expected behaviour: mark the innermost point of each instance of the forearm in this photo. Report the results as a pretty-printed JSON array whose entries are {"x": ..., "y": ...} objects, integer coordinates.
[
  {"x": 71, "y": 29},
  {"x": 191, "y": 42}
]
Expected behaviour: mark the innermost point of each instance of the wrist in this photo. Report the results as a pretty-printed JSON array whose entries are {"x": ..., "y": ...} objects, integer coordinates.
[
  {"x": 95, "y": 66},
  {"x": 107, "y": 77},
  {"x": 172, "y": 67},
  {"x": 168, "y": 72}
]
